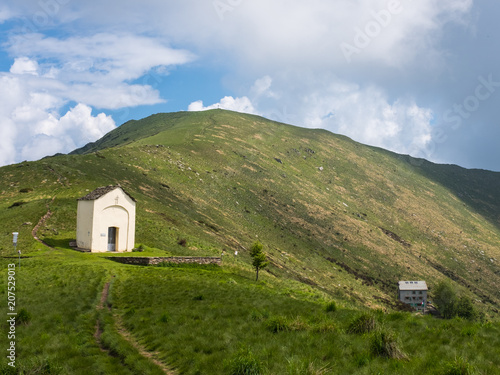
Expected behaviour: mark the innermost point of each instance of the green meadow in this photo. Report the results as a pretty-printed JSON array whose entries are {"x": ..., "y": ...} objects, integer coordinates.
[{"x": 207, "y": 320}]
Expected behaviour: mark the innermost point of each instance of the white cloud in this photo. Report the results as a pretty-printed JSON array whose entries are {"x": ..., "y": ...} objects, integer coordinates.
[
  {"x": 242, "y": 104},
  {"x": 5, "y": 14},
  {"x": 103, "y": 58},
  {"x": 292, "y": 45},
  {"x": 262, "y": 87},
  {"x": 261, "y": 33},
  {"x": 362, "y": 113},
  {"x": 98, "y": 71},
  {"x": 24, "y": 65},
  {"x": 60, "y": 135},
  {"x": 294, "y": 33},
  {"x": 31, "y": 126}
]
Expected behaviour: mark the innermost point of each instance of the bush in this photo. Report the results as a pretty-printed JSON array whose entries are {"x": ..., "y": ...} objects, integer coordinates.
[
  {"x": 362, "y": 324},
  {"x": 450, "y": 305},
  {"x": 244, "y": 363},
  {"x": 445, "y": 299},
  {"x": 465, "y": 309},
  {"x": 385, "y": 344}
]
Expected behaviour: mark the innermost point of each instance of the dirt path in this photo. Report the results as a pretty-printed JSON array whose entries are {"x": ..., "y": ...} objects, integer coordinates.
[
  {"x": 104, "y": 296},
  {"x": 126, "y": 334},
  {"x": 141, "y": 349},
  {"x": 100, "y": 306},
  {"x": 40, "y": 223}
]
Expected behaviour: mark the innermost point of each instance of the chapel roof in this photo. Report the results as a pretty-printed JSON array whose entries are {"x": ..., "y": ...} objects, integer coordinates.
[{"x": 101, "y": 191}]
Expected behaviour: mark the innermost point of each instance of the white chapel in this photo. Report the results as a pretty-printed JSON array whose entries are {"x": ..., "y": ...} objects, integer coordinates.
[{"x": 106, "y": 220}]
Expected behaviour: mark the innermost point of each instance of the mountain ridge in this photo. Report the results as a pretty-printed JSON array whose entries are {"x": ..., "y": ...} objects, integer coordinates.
[{"x": 327, "y": 208}]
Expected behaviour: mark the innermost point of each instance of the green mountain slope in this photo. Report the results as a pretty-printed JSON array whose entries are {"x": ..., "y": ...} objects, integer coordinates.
[
  {"x": 339, "y": 221},
  {"x": 330, "y": 211}
]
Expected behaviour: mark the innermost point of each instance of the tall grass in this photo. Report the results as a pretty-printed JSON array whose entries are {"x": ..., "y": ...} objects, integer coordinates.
[
  {"x": 244, "y": 363},
  {"x": 384, "y": 343}
]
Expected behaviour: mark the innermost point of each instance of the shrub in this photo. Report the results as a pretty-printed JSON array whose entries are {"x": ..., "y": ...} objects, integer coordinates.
[
  {"x": 450, "y": 305},
  {"x": 385, "y": 344},
  {"x": 182, "y": 242},
  {"x": 331, "y": 306},
  {"x": 244, "y": 363},
  {"x": 465, "y": 309},
  {"x": 362, "y": 324}
]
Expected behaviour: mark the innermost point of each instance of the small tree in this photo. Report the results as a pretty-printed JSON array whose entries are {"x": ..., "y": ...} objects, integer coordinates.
[
  {"x": 259, "y": 258},
  {"x": 450, "y": 304},
  {"x": 465, "y": 309},
  {"x": 445, "y": 299}
]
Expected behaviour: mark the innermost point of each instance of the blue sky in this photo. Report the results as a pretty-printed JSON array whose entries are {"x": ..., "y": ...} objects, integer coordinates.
[{"x": 415, "y": 77}]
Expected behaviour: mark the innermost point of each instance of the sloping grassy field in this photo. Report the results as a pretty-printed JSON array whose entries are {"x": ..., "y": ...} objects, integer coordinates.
[
  {"x": 204, "y": 320},
  {"x": 339, "y": 222}
]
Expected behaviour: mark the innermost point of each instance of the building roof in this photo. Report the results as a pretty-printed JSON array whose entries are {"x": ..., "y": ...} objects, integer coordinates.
[
  {"x": 101, "y": 191},
  {"x": 412, "y": 285}
]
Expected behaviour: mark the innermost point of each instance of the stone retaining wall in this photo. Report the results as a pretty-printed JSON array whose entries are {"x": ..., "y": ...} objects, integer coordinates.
[{"x": 146, "y": 261}]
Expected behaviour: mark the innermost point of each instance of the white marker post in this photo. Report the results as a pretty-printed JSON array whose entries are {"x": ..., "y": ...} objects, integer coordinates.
[
  {"x": 14, "y": 240},
  {"x": 15, "y": 234}
]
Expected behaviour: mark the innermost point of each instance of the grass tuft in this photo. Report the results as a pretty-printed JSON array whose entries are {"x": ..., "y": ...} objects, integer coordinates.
[
  {"x": 244, "y": 363},
  {"x": 364, "y": 323},
  {"x": 277, "y": 324},
  {"x": 384, "y": 343},
  {"x": 331, "y": 307}
]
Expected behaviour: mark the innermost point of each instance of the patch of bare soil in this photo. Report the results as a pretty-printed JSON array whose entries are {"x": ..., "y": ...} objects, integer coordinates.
[{"x": 395, "y": 237}]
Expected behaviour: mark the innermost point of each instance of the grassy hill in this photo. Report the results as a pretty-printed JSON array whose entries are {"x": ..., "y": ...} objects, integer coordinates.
[{"x": 339, "y": 221}]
